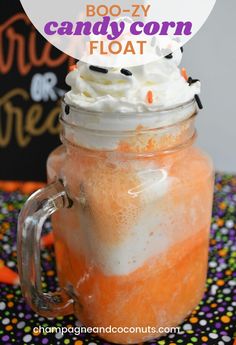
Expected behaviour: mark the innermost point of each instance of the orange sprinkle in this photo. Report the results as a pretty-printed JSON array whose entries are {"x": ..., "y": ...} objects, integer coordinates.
[
  {"x": 78, "y": 342},
  {"x": 220, "y": 282},
  {"x": 9, "y": 327},
  {"x": 50, "y": 273},
  {"x": 194, "y": 320},
  {"x": 10, "y": 208},
  {"x": 9, "y": 296},
  {"x": 222, "y": 205},
  {"x": 228, "y": 272},
  {"x": 6, "y": 225},
  {"x": 234, "y": 342},
  {"x": 10, "y": 304},
  {"x": 150, "y": 97},
  {"x": 213, "y": 305},
  {"x": 225, "y": 319},
  {"x": 204, "y": 338},
  {"x": 72, "y": 68},
  {"x": 222, "y": 252},
  {"x": 220, "y": 222},
  {"x": 14, "y": 320},
  {"x": 184, "y": 73}
]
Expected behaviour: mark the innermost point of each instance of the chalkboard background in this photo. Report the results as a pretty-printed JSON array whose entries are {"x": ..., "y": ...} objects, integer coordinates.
[{"x": 32, "y": 74}]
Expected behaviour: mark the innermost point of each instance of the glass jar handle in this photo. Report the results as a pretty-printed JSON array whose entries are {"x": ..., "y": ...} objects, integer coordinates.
[{"x": 36, "y": 210}]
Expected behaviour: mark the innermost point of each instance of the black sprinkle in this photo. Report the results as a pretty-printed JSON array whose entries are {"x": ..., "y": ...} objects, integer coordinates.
[
  {"x": 192, "y": 81},
  {"x": 199, "y": 103},
  {"x": 182, "y": 49},
  {"x": 98, "y": 69},
  {"x": 125, "y": 72},
  {"x": 169, "y": 56},
  {"x": 67, "y": 109}
]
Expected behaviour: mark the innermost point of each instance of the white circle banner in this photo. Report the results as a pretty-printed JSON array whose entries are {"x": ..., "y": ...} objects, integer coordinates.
[{"x": 118, "y": 33}]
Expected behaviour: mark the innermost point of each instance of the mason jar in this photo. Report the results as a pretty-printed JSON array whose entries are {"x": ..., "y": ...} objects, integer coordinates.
[{"x": 133, "y": 196}]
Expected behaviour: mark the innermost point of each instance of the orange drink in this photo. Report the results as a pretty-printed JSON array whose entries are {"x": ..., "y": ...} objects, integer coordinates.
[
  {"x": 133, "y": 196},
  {"x": 132, "y": 251}
]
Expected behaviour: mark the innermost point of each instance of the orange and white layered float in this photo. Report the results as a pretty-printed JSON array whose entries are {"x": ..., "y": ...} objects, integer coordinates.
[{"x": 132, "y": 250}]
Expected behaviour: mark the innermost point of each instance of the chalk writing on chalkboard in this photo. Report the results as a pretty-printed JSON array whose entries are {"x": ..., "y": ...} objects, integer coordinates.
[
  {"x": 42, "y": 88},
  {"x": 32, "y": 74}
]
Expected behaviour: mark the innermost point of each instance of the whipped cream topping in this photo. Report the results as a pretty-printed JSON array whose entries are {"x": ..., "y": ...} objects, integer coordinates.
[{"x": 151, "y": 87}]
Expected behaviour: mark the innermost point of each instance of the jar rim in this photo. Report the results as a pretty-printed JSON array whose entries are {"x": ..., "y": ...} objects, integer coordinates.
[
  {"x": 106, "y": 131},
  {"x": 126, "y": 122}
]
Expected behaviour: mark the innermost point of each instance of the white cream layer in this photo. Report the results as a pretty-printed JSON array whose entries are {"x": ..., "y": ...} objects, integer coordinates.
[{"x": 146, "y": 238}]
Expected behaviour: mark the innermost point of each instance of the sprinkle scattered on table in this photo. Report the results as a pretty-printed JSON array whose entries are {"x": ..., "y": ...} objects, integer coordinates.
[{"x": 213, "y": 322}]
